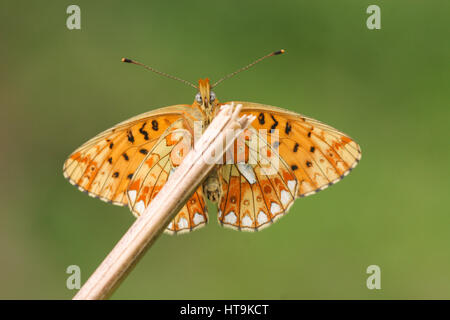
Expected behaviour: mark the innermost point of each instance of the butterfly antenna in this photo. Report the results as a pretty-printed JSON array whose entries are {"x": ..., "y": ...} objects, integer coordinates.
[
  {"x": 247, "y": 67},
  {"x": 158, "y": 72}
]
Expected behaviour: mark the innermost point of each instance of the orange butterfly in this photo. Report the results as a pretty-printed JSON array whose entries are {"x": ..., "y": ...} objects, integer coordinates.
[{"x": 130, "y": 163}]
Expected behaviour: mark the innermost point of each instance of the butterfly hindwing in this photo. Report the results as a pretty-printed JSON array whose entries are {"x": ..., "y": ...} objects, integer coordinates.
[
  {"x": 153, "y": 173},
  {"x": 257, "y": 192},
  {"x": 192, "y": 216}
]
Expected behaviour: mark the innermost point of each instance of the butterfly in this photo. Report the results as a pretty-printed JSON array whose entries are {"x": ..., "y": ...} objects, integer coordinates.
[{"x": 128, "y": 164}]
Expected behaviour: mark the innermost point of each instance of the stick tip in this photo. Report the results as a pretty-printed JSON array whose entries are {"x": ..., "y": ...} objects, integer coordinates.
[
  {"x": 279, "y": 52},
  {"x": 127, "y": 60}
]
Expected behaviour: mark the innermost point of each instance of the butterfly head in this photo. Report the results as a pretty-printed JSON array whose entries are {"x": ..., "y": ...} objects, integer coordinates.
[{"x": 205, "y": 99}]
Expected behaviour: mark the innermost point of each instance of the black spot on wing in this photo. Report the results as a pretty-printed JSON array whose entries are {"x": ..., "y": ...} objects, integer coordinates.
[
  {"x": 155, "y": 125},
  {"x": 130, "y": 136},
  {"x": 275, "y": 123},
  {"x": 261, "y": 118},
  {"x": 143, "y": 132},
  {"x": 288, "y": 128}
]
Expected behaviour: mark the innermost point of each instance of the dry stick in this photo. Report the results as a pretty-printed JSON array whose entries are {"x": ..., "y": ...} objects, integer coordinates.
[{"x": 164, "y": 207}]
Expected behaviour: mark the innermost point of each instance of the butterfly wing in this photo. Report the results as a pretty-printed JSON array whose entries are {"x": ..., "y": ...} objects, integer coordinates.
[
  {"x": 311, "y": 156},
  {"x": 318, "y": 154},
  {"x": 154, "y": 171},
  {"x": 257, "y": 191},
  {"x": 104, "y": 166}
]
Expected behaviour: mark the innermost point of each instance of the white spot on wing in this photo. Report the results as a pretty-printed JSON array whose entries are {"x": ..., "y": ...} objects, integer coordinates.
[
  {"x": 230, "y": 218},
  {"x": 183, "y": 223},
  {"x": 291, "y": 185},
  {"x": 247, "y": 221},
  {"x": 262, "y": 218},
  {"x": 198, "y": 218},
  {"x": 132, "y": 195},
  {"x": 274, "y": 208},
  {"x": 170, "y": 226},
  {"x": 285, "y": 197},
  {"x": 247, "y": 171},
  {"x": 140, "y": 207}
]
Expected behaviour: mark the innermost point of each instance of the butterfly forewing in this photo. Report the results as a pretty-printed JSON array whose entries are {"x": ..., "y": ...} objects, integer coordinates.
[
  {"x": 317, "y": 154},
  {"x": 103, "y": 166}
]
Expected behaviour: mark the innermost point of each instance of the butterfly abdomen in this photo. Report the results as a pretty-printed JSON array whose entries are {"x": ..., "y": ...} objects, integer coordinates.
[{"x": 211, "y": 187}]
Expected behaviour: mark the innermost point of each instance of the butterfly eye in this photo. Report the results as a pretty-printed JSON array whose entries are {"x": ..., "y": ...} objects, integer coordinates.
[
  {"x": 198, "y": 97},
  {"x": 212, "y": 96}
]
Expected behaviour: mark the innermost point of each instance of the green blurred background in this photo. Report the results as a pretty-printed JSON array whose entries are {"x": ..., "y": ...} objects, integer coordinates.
[{"x": 388, "y": 88}]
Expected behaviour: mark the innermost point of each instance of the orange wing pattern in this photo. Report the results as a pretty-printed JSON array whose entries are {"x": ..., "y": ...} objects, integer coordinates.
[
  {"x": 318, "y": 155},
  {"x": 257, "y": 192},
  {"x": 155, "y": 170},
  {"x": 104, "y": 166}
]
